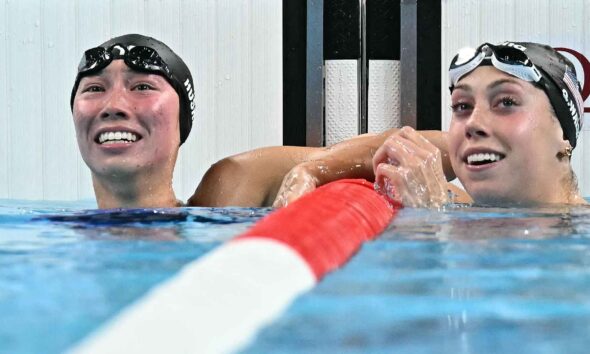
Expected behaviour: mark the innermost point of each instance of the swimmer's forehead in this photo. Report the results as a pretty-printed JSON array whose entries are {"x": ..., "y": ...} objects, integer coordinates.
[
  {"x": 502, "y": 80},
  {"x": 126, "y": 70}
]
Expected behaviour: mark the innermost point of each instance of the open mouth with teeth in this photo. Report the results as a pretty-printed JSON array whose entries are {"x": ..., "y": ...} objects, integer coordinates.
[
  {"x": 483, "y": 158},
  {"x": 117, "y": 137}
]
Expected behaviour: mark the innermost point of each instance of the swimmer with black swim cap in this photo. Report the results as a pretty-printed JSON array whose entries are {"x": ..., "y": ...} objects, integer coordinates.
[
  {"x": 149, "y": 55},
  {"x": 133, "y": 104}
]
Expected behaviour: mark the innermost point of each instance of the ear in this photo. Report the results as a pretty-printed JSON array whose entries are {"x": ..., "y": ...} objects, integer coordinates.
[{"x": 565, "y": 150}]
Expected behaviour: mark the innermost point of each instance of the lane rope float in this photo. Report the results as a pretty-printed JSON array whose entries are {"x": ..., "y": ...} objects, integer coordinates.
[{"x": 217, "y": 303}]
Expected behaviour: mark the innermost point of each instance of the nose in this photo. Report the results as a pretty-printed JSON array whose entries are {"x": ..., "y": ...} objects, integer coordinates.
[
  {"x": 477, "y": 125},
  {"x": 116, "y": 104}
]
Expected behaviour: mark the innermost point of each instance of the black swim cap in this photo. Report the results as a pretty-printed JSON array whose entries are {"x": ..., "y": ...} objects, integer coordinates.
[
  {"x": 565, "y": 95},
  {"x": 163, "y": 62}
]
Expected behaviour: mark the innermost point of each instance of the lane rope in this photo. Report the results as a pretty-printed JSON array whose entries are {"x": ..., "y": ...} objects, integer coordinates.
[{"x": 217, "y": 303}]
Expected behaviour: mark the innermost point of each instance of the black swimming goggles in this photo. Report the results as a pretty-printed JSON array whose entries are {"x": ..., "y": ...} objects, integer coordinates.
[
  {"x": 136, "y": 57},
  {"x": 505, "y": 58}
]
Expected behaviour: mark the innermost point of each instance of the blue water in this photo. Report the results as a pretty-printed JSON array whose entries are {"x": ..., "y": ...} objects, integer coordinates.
[
  {"x": 465, "y": 280},
  {"x": 65, "y": 271}
]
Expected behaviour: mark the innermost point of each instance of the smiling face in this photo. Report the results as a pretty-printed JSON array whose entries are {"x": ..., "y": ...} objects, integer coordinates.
[
  {"x": 126, "y": 122},
  {"x": 504, "y": 139}
]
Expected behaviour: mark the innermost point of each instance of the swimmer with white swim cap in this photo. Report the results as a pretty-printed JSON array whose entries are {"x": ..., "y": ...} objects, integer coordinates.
[{"x": 517, "y": 114}]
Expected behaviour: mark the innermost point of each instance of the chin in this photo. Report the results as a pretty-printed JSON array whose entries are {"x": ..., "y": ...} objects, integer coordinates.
[
  {"x": 115, "y": 170},
  {"x": 490, "y": 195},
  {"x": 498, "y": 199}
]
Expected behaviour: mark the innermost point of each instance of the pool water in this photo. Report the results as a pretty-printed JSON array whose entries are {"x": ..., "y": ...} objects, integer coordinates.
[
  {"x": 466, "y": 280},
  {"x": 462, "y": 280},
  {"x": 65, "y": 271}
]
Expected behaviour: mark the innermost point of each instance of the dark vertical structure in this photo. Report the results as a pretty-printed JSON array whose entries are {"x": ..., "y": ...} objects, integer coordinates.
[
  {"x": 383, "y": 19},
  {"x": 341, "y": 32},
  {"x": 294, "y": 51},
  {"x": 428, "y": 106}
]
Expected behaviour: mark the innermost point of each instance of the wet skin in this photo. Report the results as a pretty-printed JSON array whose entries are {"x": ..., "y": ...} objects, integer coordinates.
[
  {"x": 144, "y": 107},
  {"x": 510, "y": 119}
]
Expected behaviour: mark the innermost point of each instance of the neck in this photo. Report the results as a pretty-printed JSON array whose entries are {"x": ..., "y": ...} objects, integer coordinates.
[{"x": 134, "y": 192}]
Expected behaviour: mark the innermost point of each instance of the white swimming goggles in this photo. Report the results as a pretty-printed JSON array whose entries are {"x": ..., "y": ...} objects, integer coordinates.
[{"x": 505, "y": 58}]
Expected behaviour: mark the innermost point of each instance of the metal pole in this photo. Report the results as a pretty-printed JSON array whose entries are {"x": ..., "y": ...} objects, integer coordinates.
[
  {"x": 408, "y": 57},
  {"x": 315, "y": 74},
  {"x": 363, "y": 86}
]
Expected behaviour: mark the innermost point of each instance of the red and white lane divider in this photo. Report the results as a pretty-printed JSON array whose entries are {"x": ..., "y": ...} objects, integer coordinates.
[{"x": 217, "y": 303}]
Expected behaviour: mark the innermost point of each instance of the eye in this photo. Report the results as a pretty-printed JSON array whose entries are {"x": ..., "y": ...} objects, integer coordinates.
[
  {"x": 93, "y": 88},
  {"x": 460, "y": 107},
  {"x": 143, "y": 87},
  {"x": 507, "y": 102}
]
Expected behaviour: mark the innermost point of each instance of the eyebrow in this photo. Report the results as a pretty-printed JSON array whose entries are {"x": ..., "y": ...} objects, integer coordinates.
[
  {"x": 491, "y": 86},
  {"x": 127, "y": 71},
  {"x": 499, "y": 82}
]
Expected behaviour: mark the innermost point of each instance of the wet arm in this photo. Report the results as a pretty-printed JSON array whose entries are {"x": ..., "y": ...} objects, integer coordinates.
[
  {"x": 349, "y": 159},
  {"x": 254, "y": 178}
]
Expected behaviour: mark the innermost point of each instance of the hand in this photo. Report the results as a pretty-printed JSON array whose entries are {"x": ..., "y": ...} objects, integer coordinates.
[
  {"x": 301, "y": 180},
  {"x": 408, "y": 168}
]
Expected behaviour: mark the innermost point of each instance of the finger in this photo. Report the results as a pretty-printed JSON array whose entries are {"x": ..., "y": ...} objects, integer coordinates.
[
  {"x": 431, "y": 177},
  {"x": 398, "y": 151},
  {"x": 398, "y": 184},
  {"x": 428, "y": 158},
  {"x": 416, "y": 185},
  {"x": 417, "y": 138},
  {"x": 393, "y": 151}
]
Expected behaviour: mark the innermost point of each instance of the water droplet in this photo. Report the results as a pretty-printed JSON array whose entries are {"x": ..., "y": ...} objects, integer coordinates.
[
  {"x": 37, "y": 23},
  {"x": 50, "y": 45},
  {"x": 227, "y": 77}
]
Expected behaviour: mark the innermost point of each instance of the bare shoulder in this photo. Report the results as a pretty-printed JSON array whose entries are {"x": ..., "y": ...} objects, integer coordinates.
[
  {"x": 214, "y": 189},
  {"x": 249, "y": 179}
]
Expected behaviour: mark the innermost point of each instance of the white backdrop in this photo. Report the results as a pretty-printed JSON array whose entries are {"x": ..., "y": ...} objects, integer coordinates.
[
  {"x": 233, "y": 48},
  {"x": 561, "y": 23}
]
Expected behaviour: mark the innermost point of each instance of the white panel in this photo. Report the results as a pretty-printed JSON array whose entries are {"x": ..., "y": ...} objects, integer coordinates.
[
  {"x": 342, "y": 101},
  {"x": 4, "y": 106},
  {"x": 127, "y": 17},
  {"x": 198, "y": 152},
  {"x": 162, "y": 19},
  {"x": 238, "y": 82},
  {"x": 266, "y": 46},
  {"x": 384, "y": 95},
  {"x": 60, "y": 151},
  {"x": 557, "y": 23},
  {"x": 233, "y": 49},
  {"x": 231, "y": 106},
  {"x": 25, "y": 97}
]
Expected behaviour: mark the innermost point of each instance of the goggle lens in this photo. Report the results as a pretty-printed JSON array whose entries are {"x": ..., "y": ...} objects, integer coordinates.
[
  {"x": 511, "y": 56},
  {"x": 140, "y": 58}
]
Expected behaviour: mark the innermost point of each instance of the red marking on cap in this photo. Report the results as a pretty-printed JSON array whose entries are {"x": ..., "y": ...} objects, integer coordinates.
[{"x": 328, "y": 226}]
